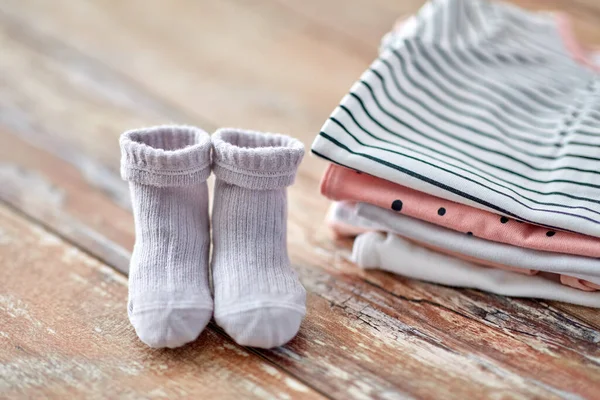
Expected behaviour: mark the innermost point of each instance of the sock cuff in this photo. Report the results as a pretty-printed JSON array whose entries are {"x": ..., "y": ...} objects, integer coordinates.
[
  {"x": 166, "y": 155},
  {"x": 255, "y": 160}
]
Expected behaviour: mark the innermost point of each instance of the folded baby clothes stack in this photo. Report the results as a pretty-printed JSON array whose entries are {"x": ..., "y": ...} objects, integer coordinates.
[{"x": 470, "y": 148}]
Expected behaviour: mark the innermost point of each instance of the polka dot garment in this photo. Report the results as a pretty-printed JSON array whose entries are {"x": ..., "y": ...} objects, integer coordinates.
[{"x": 340, "y": 184}]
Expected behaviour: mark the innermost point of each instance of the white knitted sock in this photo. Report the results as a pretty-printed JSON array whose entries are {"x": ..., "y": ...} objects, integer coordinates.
[
  {"x": 169, "y": 296},
  {"x": 259, "y": 300}
]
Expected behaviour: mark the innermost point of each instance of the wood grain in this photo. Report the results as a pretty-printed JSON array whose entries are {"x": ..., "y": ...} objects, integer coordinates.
[
  {"x": 73, "y": 75},
  {"x": 358, "y": 28},
  {"x": 264, "y": 75},
  {"x": 64, "y": 332}
]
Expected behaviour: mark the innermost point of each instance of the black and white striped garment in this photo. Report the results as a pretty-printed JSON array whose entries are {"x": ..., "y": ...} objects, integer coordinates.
[{"x": 479, "y": 103}]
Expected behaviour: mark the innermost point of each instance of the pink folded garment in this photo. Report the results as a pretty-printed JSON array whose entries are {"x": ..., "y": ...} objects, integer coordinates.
[
  {"x": 342, "y": 228},
  {"x": 579, "y": 283},
  {"x": 343, "y": 184}
]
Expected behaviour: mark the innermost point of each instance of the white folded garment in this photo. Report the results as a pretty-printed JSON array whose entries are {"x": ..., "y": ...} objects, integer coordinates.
[
  {"x": 391, "y": 253},
  {"x": 456, "y": 242}
]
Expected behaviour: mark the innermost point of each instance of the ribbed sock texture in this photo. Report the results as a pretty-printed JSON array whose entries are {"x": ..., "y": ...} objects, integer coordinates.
[
  {"x": 169, "y": 295},
  {"x": 259, "y": 300}
]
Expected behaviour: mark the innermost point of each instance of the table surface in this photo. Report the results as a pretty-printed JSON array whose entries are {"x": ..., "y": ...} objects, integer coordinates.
[{"x": 75, "y": 74}]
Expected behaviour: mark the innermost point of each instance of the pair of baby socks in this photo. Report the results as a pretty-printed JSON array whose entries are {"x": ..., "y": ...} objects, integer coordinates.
[{"x": 258, "y": 299}]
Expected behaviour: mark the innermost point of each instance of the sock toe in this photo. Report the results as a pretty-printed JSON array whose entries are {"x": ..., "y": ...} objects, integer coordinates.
[
  {"x": 266, "y": 327},
  {"x": 171, "y": 328}
]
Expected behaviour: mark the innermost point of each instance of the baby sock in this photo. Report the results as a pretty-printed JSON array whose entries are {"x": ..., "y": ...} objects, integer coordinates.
[
  {"x": 259, "y": 300},
  {"x": 169, "y": 295}
]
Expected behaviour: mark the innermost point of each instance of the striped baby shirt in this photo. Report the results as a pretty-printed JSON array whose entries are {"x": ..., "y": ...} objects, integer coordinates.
[{"x": 483, "y": 104}]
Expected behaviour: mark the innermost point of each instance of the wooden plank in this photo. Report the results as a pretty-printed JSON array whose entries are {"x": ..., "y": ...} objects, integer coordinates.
[
  {"x": 590, "y": 316},
  {"x": 359, "y": 27},
  {"x": 273, "y": 77},
  {"x": 56, "y": 102},
  {"x": 353, "y": 325},
  {"x": 45, "y": 196},
  {"x": 65, "y": 333},
  {"x": 531, "y": 323}
]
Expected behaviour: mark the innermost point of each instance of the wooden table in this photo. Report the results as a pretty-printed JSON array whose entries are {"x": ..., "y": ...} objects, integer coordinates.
[{"x": 75, "y": 74}]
